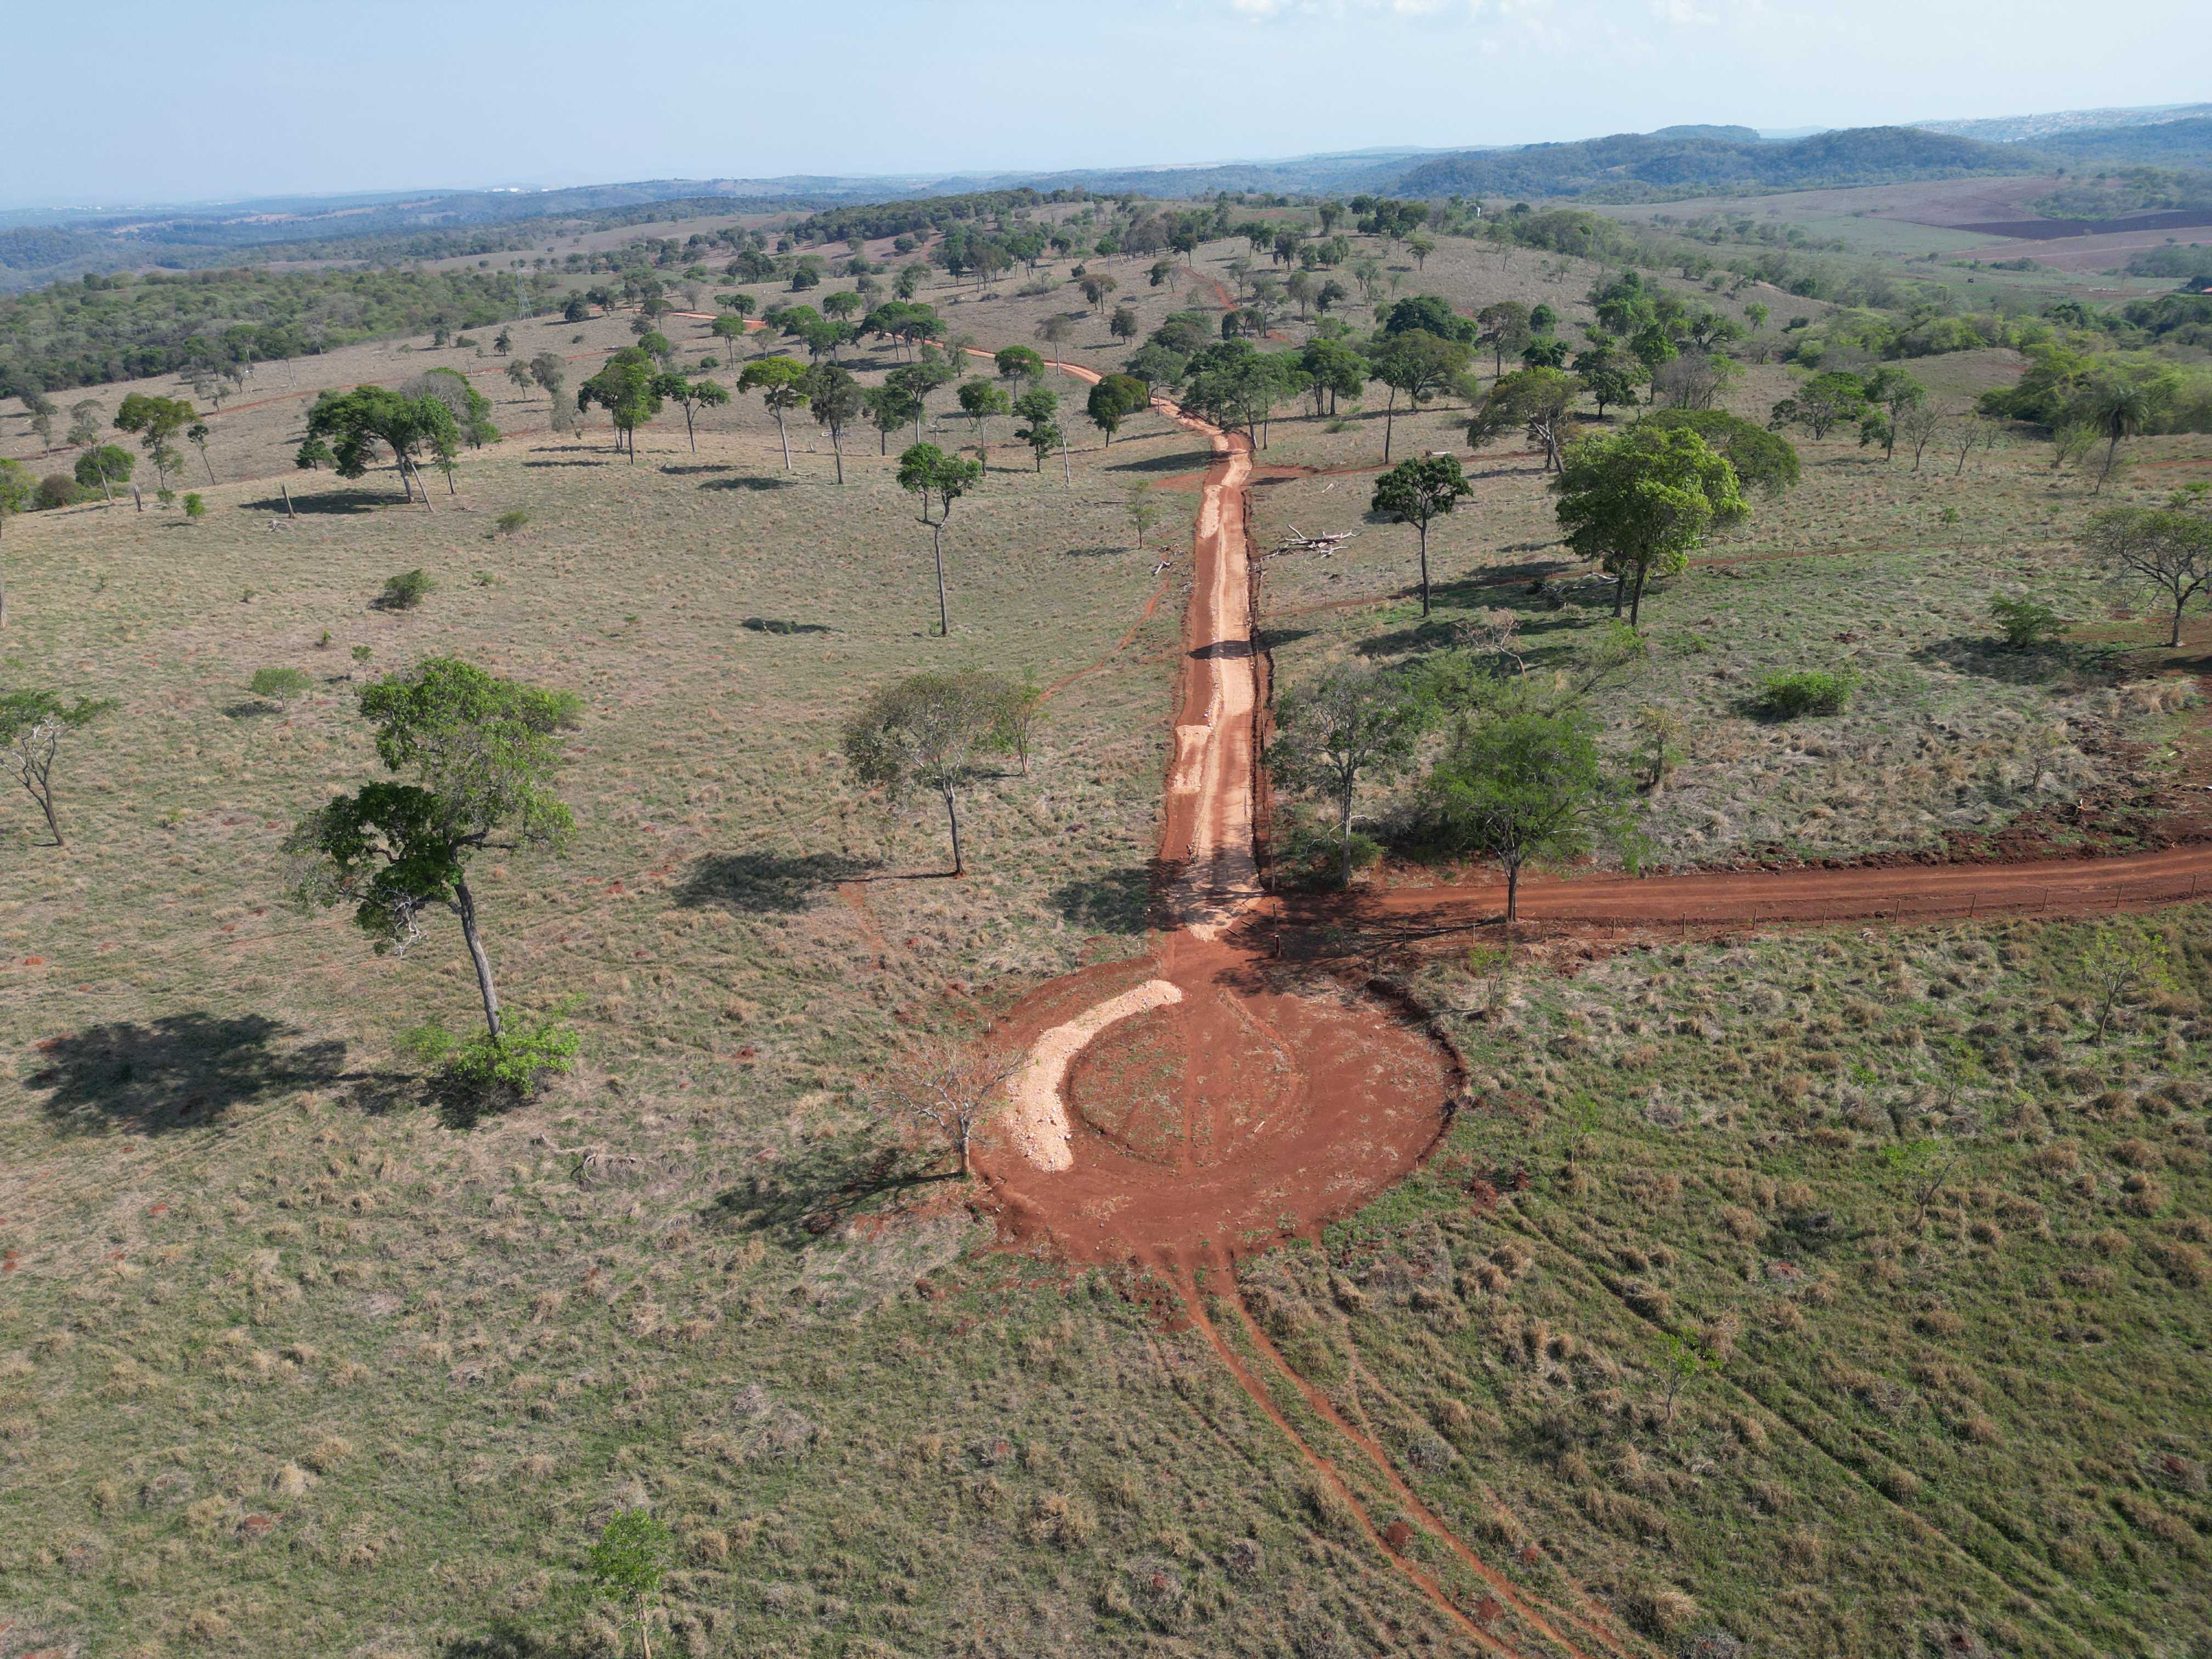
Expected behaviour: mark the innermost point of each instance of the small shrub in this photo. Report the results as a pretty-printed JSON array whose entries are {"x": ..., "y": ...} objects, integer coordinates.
[
  {"x": 483, "y": 1075},
  {"x": 406, "y": 590},
  {"x": 194, "y": 507},
  {"x": 54, "y": 489},
  {"x": 324, "y": 643},
  {"x": 362, "y": 653},
  {"x": 2027, "y": 624},
  {"x": 509, "y": 523},
  {"x": 1811, "y": 691},
  {"x": 278, "y": 685}
]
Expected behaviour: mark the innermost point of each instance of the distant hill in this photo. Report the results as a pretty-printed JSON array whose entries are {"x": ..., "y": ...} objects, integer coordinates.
[
  {"x": 1722, "y": 135},
  {"x": 1645, "y": 167},
  {"x": 2184, "y": 144},
  {"x": 2039, "y": 129}
]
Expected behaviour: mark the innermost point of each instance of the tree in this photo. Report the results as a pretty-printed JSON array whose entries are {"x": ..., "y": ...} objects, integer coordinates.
[
  {"x": 1896, "y": 393},
  {"x": 1123, "y": 324},
  {"x": 1331, "y": 370},
  {"x": 929, "y": 732},
  {"x": 1096, "y": 289},
  {"x": 1538, "y": 400},
  {"x": 833, "y": 397},
  {"x": 155, "y": 421},
  {"x": 1918, "y": 425},
  {"x": 1505, "y": 331},
  {"x": 1418, "y": 364},
  {"x": 2117, "y": 406},
  {"x": 1114, "y": 399},
  {"x": 482, "y": 752},
  {"x": 1019, "y": 363},
  {"x": 628, "y": 389},
  {"x": 950, "y": 1092},
  {"x": 279, "y": 685},
  {"x": 1524, "y": 787},
  {"x": 1824, "y": 402},
  {"x": 1037, "y": 408},
  {"x": 924, "y": 471},
  {"x": 918, "y": 380},
  {"x": 1145, "y": 509},
  {"x": 729, "y": 329},
  {"x": 1640, "y": 501},
  {"x": 980, "y": 400},
  {"x": 104, "y": 466},
  {"x": 1763, "y": 460},
  {"x": 778, "y": 380},
  {"x": 628, "y": 1564},
  {"x": 85, "y": 423},
  {"x": 889, "y": 408},
  {"x": 550, "y": 373},
  {"x": 1414, "y": 492},
  {"x": 198, "y": 434},
  {"x": 691, "y": 396},
  {"x": 1354, "y": 722},
  {"x": 2167, "y": 550},
  {"x": 352, "y": 423},
  {"x": 32, "y": 726}
]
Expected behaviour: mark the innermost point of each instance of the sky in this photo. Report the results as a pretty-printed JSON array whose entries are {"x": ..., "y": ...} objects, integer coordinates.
[{"x": 161, "y": 102}]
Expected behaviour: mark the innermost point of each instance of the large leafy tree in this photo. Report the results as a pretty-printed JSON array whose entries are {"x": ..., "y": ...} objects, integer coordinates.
[
  {"x": 1114, "y": 399},
  {"x": 1354, "y": 723},
  {"x": 1537, "y": 401},
  {"x": 1639, "y": 502},
  {"x": 1415, "y": 492},
  {"x": 629, "y": 389},
  {"x": 1331, "y": 370},
  {"x": 353, "y": 423},
  {"x": 779, "y": 380},
  {"x": 1525, "y": 787},
  {"x": 834, "y": 399},
  {"x": 1038, "y": 411},
  {"x": 2167, "y": 550},
  {"x": 479, "y": 754},
  {"x": 691, "y": 396},
  {"x": 919, "y": 379},
  {"x": 1763, "y": 460},
  {"x": 980, "y": 400},
  {"x": 1505, "y": 330},
  {"x": 156, "y": 421},
  {"x": 1416, "y": 365},
  {"x": 1827, "y": 401},
  {"x": 930, "y": 732},
  {"x": 888, "y": 409},
  {"x": 927, "y": 471}
]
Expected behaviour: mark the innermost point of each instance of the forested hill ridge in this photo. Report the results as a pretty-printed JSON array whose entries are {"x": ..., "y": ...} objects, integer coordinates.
[{"x": 1649, "y": 166}]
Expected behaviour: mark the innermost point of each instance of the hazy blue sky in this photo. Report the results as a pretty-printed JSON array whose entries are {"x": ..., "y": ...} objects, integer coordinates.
[{"x": 163, "y": 102}]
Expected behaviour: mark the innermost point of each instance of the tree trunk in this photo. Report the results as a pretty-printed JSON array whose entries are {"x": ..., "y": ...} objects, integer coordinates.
[
  {"x": 952, "y": 817},
  {"x": 208, "y": 465},
  {"x": 689, "y": 431},
  {"x": 1424, "y": 569},
  {"x": 1066, "y": 476},
  {"x": 937, "y": 549},
  {"x": 2172, "y": 640},
  {"x": 1345, "y": 878},
  {"x": 1636, "y": 597},
  {"x": 786, "y": 436},
  {"x": 1390, "y": 419},
  {"x": 1512, "y": 892},
  {"x": 466, "y": 902},
  {"x": 46, "y": 793},
  {"x": 838, "y": 444}
]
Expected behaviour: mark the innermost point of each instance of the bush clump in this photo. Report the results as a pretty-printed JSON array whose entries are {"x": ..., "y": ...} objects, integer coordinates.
[
  {"x": 278, "y": 685},
  {"x": 2027, "y": 624},
  {"x": 484, "y": 1074},
  {"x": 1810, "y": 691},
  {"x": 509, "y": 522},
  {"x": 195, "y": 507},
  {"x": 406, "y": 590}
]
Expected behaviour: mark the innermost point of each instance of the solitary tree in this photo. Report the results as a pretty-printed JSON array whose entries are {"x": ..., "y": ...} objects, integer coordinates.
[
  {"x": 198, "y": 434},
  {"x": 550, "y": 373},
  {"x": 1537, "y": 401},
  {"x": 833, "y": 397},
  {"x": 1354, "y": 723},
  {"x": 1114, "y": 399},
  {"x": 1056, "y": 331},
  {"x": 629, "y": 389},
  {"x": 482, "y": 753},
  {"x": 2167, "y": 550},
  {"x": 628, "y": 1564},
  {"x": 156, "y": 421},
  {"x": 980, "y": 400},
  {"x": 924, "y": 470},
  {"x": 1896, "y": 394},
  {"x": 889, "y": 408},
  {"x": 1037, "y": 409},
  {"x": 1524, "y": 787},
  {"x": 918, "y": 380},
  {"x": 350, "y": 424},
  {"x": 1414, "y": 492},
  {"x": 1418, "y": 364},
  {"x": 2116, "y": 406},
  {"x": 778, "y": 382},
  {"x": 692, "y": 396},
  {"x": 32, "y": 726},
  {"x": 949, "y": 1092},
  {"x": 1505, "y": 331},
  {"x": 1145, "y": 509},
  {"x": 929, "y": 732},
  {"x": 1639, "y": 502},
  {"x": 1019, "y": 363},
  {"x": 1828, "y": 400}
]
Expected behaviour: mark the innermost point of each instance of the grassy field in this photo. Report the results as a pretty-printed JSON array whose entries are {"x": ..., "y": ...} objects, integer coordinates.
[{"x": 292, "y": 1363}]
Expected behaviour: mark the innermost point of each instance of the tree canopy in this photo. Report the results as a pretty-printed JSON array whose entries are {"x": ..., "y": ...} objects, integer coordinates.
[{"x": 1639, "y": 502}]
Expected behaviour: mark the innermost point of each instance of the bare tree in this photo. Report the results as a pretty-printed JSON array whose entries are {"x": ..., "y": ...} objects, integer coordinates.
[
  {"x": 947, "y": 1093},
  {"x": 2167, "y": 550},
  {"x": 31, "y": 727}
]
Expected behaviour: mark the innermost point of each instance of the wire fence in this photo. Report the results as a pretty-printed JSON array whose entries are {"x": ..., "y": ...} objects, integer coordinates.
[{"x": 1812, "y": 910}]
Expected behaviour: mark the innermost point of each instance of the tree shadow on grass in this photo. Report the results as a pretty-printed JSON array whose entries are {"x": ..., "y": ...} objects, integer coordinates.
[
  {"x": 509, "y": 1638},
  {"x": 1097, "y": 552},
  {"x": 751, "y": 481},
  {"x": 329, "y": 501},
  {"x": 819, "y": 1188},
  {"x": 765, "y": 884},
  {"x": 778, "y": 625},
  {"x": 1118, "y": 901},
  {"x": 180, "y": 1072},
  {"x": 603, "y": 461},
  {"x": 1186, "y": 460},
  {"x": 2058, "y": 667}
]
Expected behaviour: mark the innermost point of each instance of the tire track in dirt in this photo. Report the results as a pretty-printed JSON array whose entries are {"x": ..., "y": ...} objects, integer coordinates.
[
  {"x": 1194, "y": 1303},
  {"x": 1610, "y": 1639}
]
